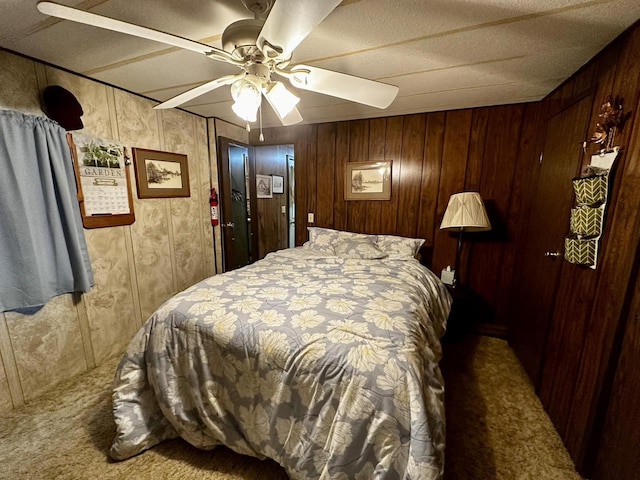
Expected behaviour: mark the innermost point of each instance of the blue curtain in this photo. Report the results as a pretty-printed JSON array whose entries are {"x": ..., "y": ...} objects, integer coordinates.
[{"x": 43, "y": 252}]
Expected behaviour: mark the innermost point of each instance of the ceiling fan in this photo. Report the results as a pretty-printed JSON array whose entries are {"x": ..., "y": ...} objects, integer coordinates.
[{"x": 262, "y": 49}]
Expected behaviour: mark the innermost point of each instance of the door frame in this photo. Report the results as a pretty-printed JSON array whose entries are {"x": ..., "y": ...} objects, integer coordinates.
[
  {"x": 225, "y": 198},
  {"x": 291, "y": 200}
]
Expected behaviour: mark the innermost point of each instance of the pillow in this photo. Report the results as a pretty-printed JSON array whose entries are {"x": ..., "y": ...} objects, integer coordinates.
[
  {"x": 322, "y": 239},
  {"x": 359, "y": 248},
  {"x": 318, "y": 233},
  {"x": 343, "y": 236},
  {"x": 399, "y": 248},
  {"x": 325, "y": 239}
]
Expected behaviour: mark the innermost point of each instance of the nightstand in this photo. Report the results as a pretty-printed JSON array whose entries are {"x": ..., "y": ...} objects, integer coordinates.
[
  {"x": 470, "y": 314},
  {"x": 463, "y": 315}
]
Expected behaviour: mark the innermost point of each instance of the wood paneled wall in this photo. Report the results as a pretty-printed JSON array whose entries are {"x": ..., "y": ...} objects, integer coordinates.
[
  {"x": 618, "y": 457},
  {"x": 434, "y": 155},
  {"x": 589, "y": 311},
  {"x": 273, "y": 225}
]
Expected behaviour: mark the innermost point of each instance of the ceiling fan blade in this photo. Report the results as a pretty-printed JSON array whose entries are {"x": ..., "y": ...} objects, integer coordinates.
[
  {"x": 87, "y": 18},
  {"x": 341, "y": 85},
  {"x": 289, "y": 22},
  {"x": 199, "y": 90}
]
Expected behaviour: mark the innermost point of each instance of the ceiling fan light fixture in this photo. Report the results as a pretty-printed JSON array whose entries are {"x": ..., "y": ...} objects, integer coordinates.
[
  {"x": 281, "y": 99},
  {"x": 259, "y": 47},
  {"x": 247, "y": 97}
]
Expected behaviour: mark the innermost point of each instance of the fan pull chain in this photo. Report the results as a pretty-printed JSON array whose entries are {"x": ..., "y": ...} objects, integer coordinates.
[{"x": 260, "y": 110}]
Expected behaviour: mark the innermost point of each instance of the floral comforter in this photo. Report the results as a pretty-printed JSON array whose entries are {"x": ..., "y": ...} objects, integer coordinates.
[{"x": 329, "y": 366}]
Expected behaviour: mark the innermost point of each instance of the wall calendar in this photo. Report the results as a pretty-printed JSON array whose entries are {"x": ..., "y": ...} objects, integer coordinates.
[{"x": 102, "y": 174}]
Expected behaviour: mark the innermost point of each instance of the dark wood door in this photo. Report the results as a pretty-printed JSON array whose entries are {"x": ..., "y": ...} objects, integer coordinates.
[
  {"x": 237, "y": 192},
  {"x": 542, "y": 255}
]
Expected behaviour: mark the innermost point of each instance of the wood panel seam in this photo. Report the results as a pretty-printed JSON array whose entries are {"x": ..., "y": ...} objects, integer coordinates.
[
  {"x": 167, "y": 209},
  {"x": 10, "y": 365},
  {"x": 199, "y": 206},
  {"x": 85, "y": 332}
]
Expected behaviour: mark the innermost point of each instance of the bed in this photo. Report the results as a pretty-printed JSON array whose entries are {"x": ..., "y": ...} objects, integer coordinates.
[{"x": 323, "y": 358}]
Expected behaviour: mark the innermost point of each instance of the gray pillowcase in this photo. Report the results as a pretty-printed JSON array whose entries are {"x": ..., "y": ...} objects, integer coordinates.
[
  {"x": 322, "y": 239},
  {"x": 399, "y": 248},
  {"x": 362, "y": 248}
]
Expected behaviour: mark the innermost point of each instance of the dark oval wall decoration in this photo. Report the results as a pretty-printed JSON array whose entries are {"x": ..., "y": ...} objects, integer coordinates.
[{"x": 61, "y": 105}]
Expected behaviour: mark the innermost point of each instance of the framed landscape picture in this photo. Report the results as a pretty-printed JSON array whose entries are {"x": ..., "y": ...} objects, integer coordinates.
[
  {"x": 367, "y": 181},
  {"x": 161, "y": 174}
]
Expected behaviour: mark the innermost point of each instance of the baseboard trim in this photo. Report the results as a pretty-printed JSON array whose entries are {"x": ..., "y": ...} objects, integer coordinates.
[{"x": 491, "y": 330}]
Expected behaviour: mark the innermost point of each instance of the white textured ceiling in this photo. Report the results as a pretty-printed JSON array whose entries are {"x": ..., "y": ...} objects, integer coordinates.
[{"x": 443, "y": 54}]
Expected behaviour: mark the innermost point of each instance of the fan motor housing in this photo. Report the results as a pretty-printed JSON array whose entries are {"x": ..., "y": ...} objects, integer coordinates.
[
  {"x": 240, "y": 38},
  {"x": 258, "y": 7}
]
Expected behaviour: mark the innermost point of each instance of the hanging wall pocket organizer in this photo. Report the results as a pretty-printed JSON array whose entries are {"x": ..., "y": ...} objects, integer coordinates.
[
  {"x": 591, "y": 190},
  {"x": 587, "y": 221},
  {"x": 581, "y": 251},
  {"x": 587, "y": 217}
]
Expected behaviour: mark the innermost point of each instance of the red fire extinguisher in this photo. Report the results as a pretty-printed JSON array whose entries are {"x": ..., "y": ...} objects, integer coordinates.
[{"x": 213, "y": 203}]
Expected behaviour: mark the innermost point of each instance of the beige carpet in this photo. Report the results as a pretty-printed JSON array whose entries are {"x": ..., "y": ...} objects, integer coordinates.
[
  {"x": 496, "y": 426},
  {"x": 496, "y": 430}
]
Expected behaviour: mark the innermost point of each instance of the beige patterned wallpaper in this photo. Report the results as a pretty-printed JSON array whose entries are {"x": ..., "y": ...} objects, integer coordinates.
[{"x": 137, "y": 267}]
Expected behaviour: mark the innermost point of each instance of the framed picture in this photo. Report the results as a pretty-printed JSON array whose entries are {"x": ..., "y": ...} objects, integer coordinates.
[
  {"x": 278, "y": 184},
  {"x": 367, "y": 181},
  {"x": 264, "y": 186},
  {"x": 161, "y": 174}
]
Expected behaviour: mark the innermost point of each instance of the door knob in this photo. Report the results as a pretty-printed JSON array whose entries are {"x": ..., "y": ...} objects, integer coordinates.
[{"x": 551, "y": 254}]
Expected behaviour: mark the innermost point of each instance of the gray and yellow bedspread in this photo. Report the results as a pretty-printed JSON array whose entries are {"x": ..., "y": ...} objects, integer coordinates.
[{"x": 329, "y": 366}]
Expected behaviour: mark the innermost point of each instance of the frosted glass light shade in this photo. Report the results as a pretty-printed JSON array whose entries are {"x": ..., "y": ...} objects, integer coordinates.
[
  {"x": 281, "y": 99},
  {"x": 248, "y": 113},
  {"x": 247, "y": 96},
  {"x": 466, "y": 211}
]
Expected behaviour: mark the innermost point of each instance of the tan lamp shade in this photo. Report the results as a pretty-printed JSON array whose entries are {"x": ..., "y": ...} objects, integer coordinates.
[{"x": 466, "y": 212}]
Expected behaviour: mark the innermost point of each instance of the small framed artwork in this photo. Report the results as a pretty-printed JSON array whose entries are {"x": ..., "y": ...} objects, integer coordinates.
[
  {"x": 161, "y": 174},
  {"x": 264, "y": 186},
  {"x": 367, "y": 181},
  {"x": 278, "y": 184}
]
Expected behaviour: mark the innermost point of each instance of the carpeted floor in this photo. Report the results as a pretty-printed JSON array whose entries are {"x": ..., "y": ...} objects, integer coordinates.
[
  {"x": 496, "y": 426},
  {"x": 497, "y": 429}
]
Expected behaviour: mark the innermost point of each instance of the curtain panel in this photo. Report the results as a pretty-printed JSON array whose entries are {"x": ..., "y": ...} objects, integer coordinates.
[{"x": 43, "y": 252}]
